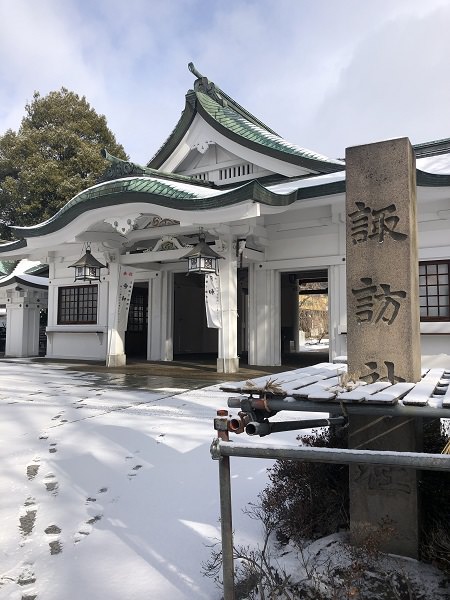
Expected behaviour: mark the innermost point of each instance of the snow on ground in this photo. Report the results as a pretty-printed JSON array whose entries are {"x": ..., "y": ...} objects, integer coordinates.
[
  {"x": 108, "y": 488},
  {"x": 313, "y": 345}
]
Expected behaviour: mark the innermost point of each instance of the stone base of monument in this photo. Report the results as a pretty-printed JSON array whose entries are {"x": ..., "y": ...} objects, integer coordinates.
[{"x": 384, "y": 499}]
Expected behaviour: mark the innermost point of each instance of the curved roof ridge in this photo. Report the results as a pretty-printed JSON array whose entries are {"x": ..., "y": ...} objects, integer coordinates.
[
  {"x": 203, "y": 84},
  {"x": 120, "y": 168},
  {"x": 232, "y": 120},
  {"x": 432, "y": 148},
  {"x": 117, "y": 186},
  {"x": 180, "y": 196},
  {"x": 250, "y": 130},
  {"x": 187, "y": 197},
  {"x": 24, "y": 279}
]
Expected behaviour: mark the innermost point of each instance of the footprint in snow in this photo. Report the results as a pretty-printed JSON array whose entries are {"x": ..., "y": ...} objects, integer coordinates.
[
  {"x": 22, "y": 575},
  {"x": 86, "y": 528},
  {"x": 33, "y": 468},
  {"x": 135, "y": 468},
  {"x": 27, "y": 517},
  {"x": 51, "y": 484},
  {"x": 55, "y": 544},
  {"x": 25, "y": 580},
  {"x": 92, "y": 499}
]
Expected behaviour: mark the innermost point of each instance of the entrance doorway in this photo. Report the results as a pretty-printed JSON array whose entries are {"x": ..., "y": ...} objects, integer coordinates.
[
  {"x": 136, "y": 333},
  {"x": 304, "y": 317},
  {"x": 191, "y": 336},
  {"x": 43, "y": 319}
]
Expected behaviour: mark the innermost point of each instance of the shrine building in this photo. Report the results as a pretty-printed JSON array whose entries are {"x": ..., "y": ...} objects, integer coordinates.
[{"x": 109, "y": 269}]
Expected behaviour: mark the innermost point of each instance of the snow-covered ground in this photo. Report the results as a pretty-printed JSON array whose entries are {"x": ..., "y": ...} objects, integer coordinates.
[
  {"x": 108, "y": 490},
  {"x": 313, "y": 345}
]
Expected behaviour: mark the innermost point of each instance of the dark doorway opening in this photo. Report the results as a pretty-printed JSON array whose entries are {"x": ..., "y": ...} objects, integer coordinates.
[
  {"x": 137, "y": 327},
  {"x": 43, "y": 318},
  {"x": 191, "y": 335}
]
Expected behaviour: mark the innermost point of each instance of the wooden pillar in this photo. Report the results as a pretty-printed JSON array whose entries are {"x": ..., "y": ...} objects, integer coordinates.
[
  {"x": 228, "y": 360},
  {"x": 23, "y": 306},
  {"x": 264, "y": 316},
  {"x": 160, "y": 318},
  {"x": 115, "y": 351}
]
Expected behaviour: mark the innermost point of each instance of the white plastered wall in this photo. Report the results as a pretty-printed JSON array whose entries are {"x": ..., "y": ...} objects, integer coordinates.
[
  {"x": 307, "y": 238},
  {"x": 309, "y": 235},
  {"x": 434, "y": 244},
  {"x": 300, "y": 239},
  {"x": 86, "y": 342}
]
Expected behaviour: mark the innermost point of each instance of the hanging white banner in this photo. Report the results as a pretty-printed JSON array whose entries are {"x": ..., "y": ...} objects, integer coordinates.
[
  {"x": 126, "y": 281},
  {"x": 212, "y": 301}
]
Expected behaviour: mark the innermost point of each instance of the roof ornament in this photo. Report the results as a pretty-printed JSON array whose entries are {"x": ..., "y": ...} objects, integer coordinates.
[
  {"x": 203, "y": 84},
  {"x": 119, "y": 168},
  {"x": 194, "y": 71}
]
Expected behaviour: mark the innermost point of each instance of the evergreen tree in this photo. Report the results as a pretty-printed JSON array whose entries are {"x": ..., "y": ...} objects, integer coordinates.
[{"x": 54, "y": 155}]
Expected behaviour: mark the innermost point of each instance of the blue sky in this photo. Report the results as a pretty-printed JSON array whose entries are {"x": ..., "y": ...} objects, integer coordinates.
[{"x": 324, "y": 74}]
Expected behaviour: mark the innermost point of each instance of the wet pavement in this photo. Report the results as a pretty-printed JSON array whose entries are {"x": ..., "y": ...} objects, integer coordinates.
[{"x": 192, "y": 373}]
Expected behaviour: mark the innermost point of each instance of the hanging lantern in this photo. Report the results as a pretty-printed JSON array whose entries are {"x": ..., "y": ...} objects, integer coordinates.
[
  {"x": 202, "y": 259},
  {"x": 87, "y": 268}
]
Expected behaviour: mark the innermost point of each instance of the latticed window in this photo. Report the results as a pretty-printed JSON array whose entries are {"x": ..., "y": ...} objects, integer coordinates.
[
  {"x": 137, "y": 316},
  {"x": 77, "y": 304},
  {"x": 434, "y": 290}
]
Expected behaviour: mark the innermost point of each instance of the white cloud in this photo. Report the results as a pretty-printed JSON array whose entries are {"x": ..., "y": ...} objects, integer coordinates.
[
  {"x": 394, "y": 85},
  {"x": 324, "y": 74}
]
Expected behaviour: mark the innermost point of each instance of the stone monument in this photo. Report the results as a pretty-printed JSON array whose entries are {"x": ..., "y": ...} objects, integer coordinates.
[{"x": 383, "y": 331}]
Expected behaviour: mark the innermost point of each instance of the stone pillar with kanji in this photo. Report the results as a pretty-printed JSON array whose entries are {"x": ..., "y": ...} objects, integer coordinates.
[{"x": 383, "y": 332}]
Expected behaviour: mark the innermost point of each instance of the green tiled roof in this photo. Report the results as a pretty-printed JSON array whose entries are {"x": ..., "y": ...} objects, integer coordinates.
[
  {"x": 426, "y": 179},
  {"x": 432, "y": 148},
  {"x": 234, "y": 122},
  {"x": 148, "y": 190},
  {"x": 180, "y": 196},
  {"x": 39, "y": 269},
  {"x": 7, "y": 266},
  {"x": 30, "y": 281},
  {"x": 229, "y": 118},
  {"x": 117, "y": 187},
  {"x": 8, "y": 246},
  {"x": 122, "y": 168}
]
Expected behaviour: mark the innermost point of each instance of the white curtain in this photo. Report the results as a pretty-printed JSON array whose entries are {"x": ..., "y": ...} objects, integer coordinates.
[{"x": 213, "y": 301}]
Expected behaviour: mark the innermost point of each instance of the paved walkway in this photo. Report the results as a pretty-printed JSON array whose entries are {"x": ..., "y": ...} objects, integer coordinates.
[{"x": 192, "y": 373}]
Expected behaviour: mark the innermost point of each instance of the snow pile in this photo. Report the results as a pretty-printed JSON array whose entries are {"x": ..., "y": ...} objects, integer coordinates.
[{"x": 332, "y": 568}]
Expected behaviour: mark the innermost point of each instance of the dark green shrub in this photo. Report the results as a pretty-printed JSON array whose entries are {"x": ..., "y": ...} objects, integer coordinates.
[
  {"x": 435, "y": 502},
  {"x": 309, "y": 500}
]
